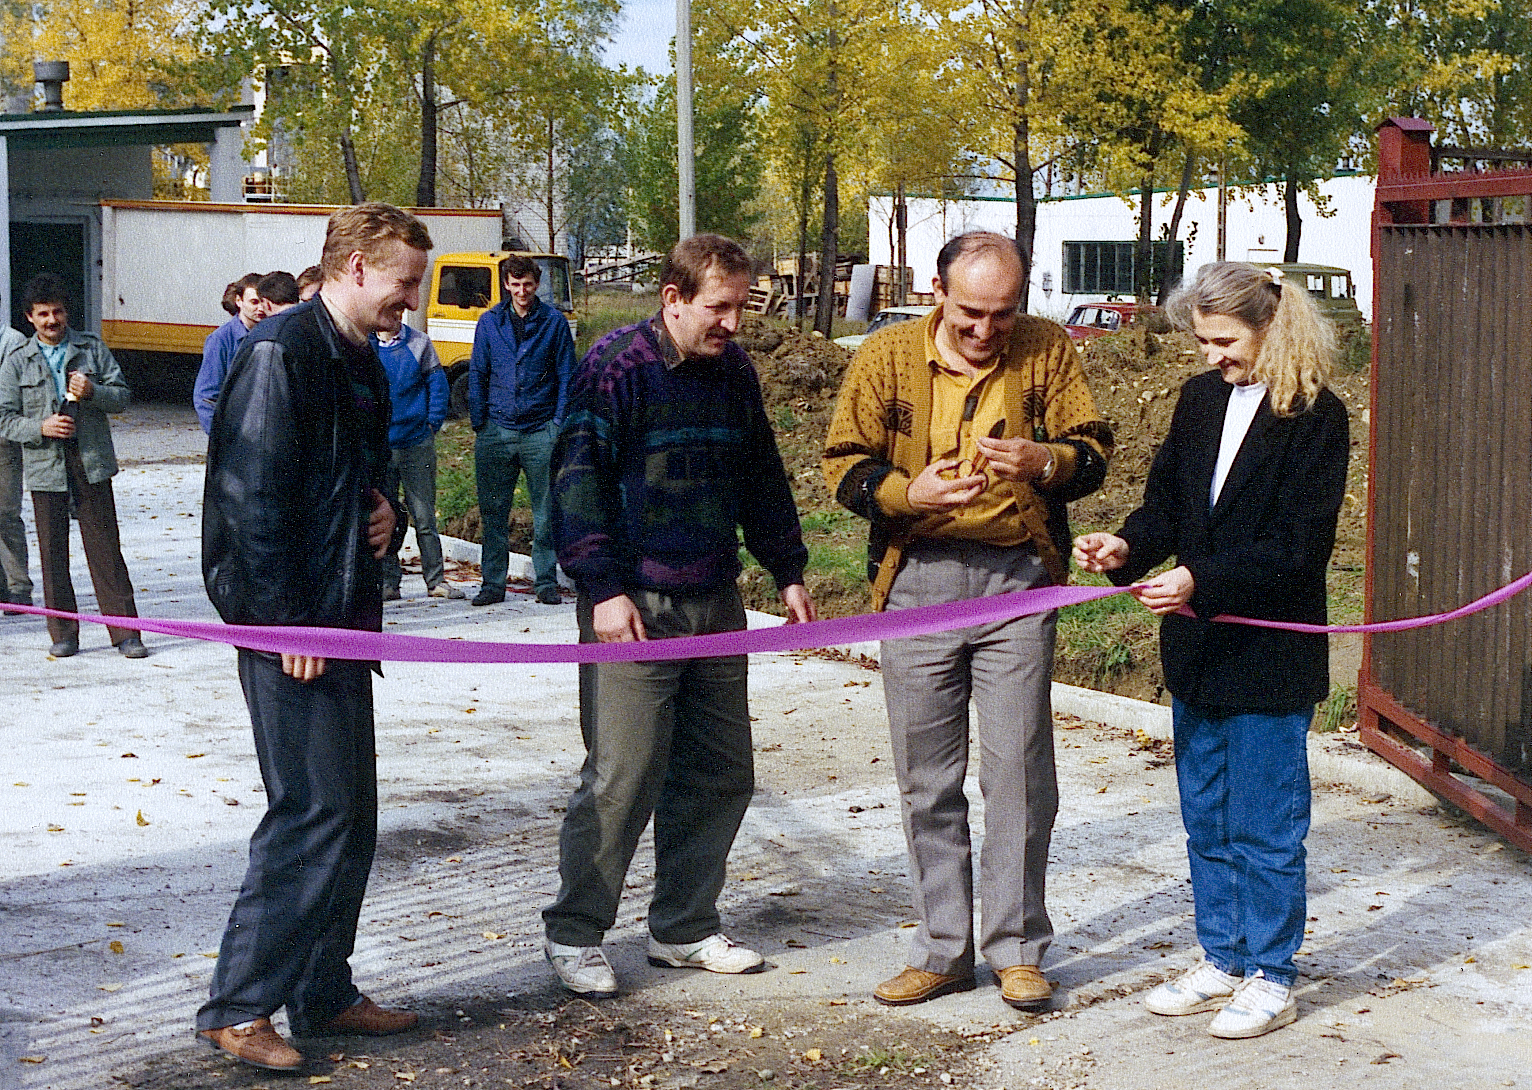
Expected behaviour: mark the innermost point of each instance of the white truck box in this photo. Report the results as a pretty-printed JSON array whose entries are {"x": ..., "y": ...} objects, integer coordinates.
[{"x": 164, "y": 264}]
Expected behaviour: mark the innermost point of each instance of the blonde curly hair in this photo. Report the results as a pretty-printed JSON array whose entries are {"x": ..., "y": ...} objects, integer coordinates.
[{"x": 1299, "y": 345}]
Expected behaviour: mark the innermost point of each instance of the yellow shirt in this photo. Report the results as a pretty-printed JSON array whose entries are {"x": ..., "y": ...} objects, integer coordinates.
[{"x": 963, "y": 408}]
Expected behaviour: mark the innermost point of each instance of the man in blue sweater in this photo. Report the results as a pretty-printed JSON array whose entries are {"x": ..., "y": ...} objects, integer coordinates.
[
  {"x": 242, "y": 299},
  {"x": 518, "y": 382},
  {"x": 417, "y": 387}
]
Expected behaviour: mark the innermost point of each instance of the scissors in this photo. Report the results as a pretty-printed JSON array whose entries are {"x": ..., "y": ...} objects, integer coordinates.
[{"x": 968, "y": 467}]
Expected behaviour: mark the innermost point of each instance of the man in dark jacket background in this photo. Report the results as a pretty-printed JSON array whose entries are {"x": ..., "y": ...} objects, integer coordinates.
[
  {"x": 294, "y": 526},
  {"x": 518, "y": 383}
]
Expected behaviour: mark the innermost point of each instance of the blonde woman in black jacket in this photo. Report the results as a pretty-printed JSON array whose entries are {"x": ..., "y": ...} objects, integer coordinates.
[{"x": 1244, "y": 494}]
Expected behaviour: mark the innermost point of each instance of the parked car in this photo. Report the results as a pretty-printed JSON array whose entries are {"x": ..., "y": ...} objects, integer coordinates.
[
  {"x": 1331, "y": 288},
  {"x": 886, "y": 317},
  {"x": 1093, "y": 319}
]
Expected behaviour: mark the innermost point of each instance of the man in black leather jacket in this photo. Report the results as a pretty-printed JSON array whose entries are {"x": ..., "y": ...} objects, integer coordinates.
[{"x": 294, "y": 523}]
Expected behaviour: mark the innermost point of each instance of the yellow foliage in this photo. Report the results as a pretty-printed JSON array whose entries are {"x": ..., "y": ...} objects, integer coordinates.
[{"x": 119, "y": 51}]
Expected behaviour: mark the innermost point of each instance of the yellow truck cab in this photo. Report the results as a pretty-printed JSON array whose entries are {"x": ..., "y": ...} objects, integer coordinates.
[{"x": 464, "y": 286}]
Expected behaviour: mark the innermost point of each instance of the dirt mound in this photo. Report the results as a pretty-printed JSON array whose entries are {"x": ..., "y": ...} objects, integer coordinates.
[{"x": 1135, "y": 378}]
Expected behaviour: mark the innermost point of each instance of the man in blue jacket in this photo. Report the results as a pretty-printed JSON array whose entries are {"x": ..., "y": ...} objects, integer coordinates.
[
  {"x": 518, "y": 383},
  {"x": 417, "y": 387}
]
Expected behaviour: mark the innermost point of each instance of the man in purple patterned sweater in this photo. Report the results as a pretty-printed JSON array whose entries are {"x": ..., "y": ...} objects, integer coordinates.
[{"x": 665, "y": 454}]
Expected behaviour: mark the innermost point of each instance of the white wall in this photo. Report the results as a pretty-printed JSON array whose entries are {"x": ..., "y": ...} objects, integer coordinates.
[
  {"x": 64, "y": 185},
  {"x": 1257, "y": 232}
]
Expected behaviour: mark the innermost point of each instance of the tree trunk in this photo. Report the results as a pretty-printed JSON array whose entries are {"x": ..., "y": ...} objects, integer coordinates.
[
  {"x": 1294, "y": 220},
  {"x": 1026, "y": 205},
  {"x": 425, "y": 188},
  {"x": 1175, "y": 222},
  {"x": 353, "y": 172},
  {"x": 1021, "y": 151},
  {"x": 548, "y": 193},
  {"x": 1143, "y": 252},
  {"x": 829, "y": 241},
  {"x": 805, "y": 194}
]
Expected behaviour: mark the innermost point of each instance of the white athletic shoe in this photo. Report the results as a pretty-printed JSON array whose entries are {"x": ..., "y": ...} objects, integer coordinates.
[
  {"x": 581, "y": 969},
  {"x": 1259, "y": 1006},
  {"x": 716, "y": 954},
  {"x": 1204, "y": 987}
]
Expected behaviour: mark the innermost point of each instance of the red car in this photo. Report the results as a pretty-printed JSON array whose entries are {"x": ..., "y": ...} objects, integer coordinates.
[{"x": 1093, "y": 319}]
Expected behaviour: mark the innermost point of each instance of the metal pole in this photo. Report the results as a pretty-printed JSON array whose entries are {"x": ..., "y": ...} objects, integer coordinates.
[{"x": 685, "y": 144}]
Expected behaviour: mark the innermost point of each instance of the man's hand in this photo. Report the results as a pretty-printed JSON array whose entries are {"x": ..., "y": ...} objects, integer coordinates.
[
  {"x": 302, "y": 667},
  {"x": 800, "y": 607},
  {"x": 58, "y": 426},
  {"x": 617, "y": 620},
  {"x": 80, "y": 386},
  {"x": 1168, "y": 592},
  {"x": 932, "y": 494},
  {"x": 1100, "y": 552},
  {"x": 380, "y": 524},
  {"x": 1014, "y": 459}
]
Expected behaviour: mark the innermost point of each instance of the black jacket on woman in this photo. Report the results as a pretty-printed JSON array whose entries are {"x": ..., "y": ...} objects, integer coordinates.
[
  {"x": 1261, "y": 552},
  {"x": 299, "y": 438}
]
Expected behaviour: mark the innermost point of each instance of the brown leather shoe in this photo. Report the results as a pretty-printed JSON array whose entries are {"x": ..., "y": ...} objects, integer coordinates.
[
  {"x": 917, "y": 986},
  {"x": 1023, "y": 987},
  {"x": 256, "y": 1044},
  {"x": 367, "y": 1019}
]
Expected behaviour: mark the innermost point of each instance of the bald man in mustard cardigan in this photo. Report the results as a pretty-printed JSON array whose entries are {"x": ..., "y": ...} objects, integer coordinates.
[{"x": 961, "y": 437}]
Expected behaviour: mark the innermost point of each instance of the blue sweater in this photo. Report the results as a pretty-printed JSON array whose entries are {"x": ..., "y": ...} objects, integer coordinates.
[
  {"x": 519, "y": 378},
  {"x": 417, "y": 386},
  {"x": 217, "y": 351}
]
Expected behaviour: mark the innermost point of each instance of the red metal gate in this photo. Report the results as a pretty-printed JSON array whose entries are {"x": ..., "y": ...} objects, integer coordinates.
[{"x": 1450, "y": 486}]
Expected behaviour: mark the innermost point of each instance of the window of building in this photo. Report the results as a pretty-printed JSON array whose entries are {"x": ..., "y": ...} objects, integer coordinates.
[{"x": 1107, "y": 268}]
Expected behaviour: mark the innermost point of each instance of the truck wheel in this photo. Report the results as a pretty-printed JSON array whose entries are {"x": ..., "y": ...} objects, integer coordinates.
[{"x": 457, "y": 403}]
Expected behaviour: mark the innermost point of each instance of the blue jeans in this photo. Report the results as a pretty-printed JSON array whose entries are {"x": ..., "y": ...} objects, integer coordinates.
[
  {"x": 414, "y": 469},
  {"x": 500, "y": 455},
  {"x": 1244, "y": 783}
]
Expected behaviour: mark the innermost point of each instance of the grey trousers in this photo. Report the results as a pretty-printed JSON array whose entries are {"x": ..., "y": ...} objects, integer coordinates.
[
  {"x": 1006, "y": 669},
  {"x": 292, "y": 930},
  {"x": 671, "y": 739},
  {"x": 414, "y": 470},
  {"x": 16, "y": 584}
]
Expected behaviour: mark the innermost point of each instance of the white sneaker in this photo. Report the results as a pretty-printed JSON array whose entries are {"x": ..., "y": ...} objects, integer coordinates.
[
  {"x": 1204, "y": 987},
  {"x": 716, "y": 954},
  {"x": 1259, "y": 1006},
  {"x": 581, "y": 969}
]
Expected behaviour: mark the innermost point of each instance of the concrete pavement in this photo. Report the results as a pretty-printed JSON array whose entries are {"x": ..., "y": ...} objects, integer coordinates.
[{"x": 130, "y": 790}]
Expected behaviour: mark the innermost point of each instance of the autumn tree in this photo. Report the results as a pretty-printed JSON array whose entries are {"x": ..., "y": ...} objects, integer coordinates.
[
  {"x": 728, "y": 165},
  {"x": 1306, "y": 69}
]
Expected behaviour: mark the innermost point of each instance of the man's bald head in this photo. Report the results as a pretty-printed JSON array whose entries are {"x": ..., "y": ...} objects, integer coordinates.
[{"x": 973, "y": 245}]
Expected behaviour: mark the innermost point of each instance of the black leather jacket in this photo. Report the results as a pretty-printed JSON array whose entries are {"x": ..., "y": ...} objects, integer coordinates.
[{"x": 299, "y": 438}]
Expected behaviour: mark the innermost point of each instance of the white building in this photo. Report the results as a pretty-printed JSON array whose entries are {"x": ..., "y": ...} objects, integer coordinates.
[{"x": 1257, "y": 229}]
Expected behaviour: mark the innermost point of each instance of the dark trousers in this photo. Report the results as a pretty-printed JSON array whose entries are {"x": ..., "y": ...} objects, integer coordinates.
[
  {"x": 669, "y": 740},
  {"x": 103, "y": 552},
  {"x": 294, "y": 924}
]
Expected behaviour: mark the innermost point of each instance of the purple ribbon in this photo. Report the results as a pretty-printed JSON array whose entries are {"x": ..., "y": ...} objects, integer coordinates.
[{"x": 346, "y": 643}]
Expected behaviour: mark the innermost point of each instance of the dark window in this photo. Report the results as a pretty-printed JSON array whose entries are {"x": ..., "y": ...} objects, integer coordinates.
[
  {"x": 1107, "y": 268},
  {"x": 462, "y": 286}
]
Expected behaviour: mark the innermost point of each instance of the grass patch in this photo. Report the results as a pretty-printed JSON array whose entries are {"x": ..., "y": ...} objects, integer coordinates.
[
  {"x": 603, "y": 311},
  {"x": 1338, "y": 712},
  {"x": 877, "y": 1060}
]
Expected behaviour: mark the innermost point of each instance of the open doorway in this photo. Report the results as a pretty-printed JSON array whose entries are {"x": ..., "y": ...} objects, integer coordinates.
[{"x": 59, "y": 248}]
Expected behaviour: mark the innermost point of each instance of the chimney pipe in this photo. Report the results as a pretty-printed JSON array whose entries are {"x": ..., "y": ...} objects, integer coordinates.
[{"x": 52, "y": 75}]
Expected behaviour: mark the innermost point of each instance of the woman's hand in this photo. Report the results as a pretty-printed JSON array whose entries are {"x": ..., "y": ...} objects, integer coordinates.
[
  {"x": 1167, "y": 593},
  {"x": 1100, "y": 552}
]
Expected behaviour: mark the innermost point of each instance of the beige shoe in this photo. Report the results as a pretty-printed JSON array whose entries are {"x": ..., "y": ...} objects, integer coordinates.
[
  {"x": 255, "y": 1043},
  {"x": 917, "y": 986},
  {"x": 1023, "y": 987}
]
